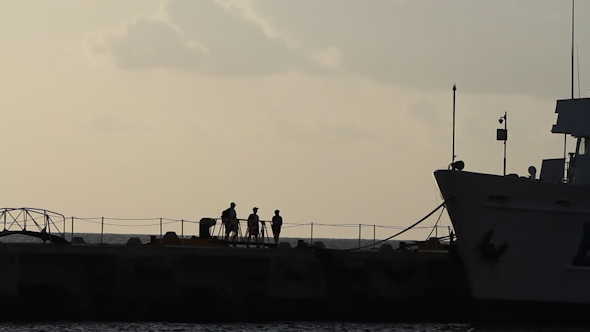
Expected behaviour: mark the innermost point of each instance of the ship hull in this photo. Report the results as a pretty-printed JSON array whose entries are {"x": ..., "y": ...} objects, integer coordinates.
[{"x": 520, "y": 240}]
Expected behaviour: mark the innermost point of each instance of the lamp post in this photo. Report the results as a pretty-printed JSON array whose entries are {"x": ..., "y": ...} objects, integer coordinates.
[{"x": 502, "y": 135}]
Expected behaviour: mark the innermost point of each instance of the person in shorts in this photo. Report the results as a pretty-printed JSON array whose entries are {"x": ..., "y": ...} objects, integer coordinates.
[
  {"x": 277, "y": 222},
  {"x": 229, "y": 218},
  {"x": 253, "y": 222}
]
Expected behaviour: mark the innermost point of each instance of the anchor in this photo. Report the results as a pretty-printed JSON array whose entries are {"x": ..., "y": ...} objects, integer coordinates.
[{"x": 489, "y": 252}]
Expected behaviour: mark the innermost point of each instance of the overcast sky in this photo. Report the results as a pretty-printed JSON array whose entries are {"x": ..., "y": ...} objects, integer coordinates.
[{"x": 332, "y": 111}]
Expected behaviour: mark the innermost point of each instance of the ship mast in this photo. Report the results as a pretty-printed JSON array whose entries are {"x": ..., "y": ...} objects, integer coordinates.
[
  {"x": 572, "y": 88},
  {"x": 454, "y": 90},
  {"x": 573, "y": 3}
]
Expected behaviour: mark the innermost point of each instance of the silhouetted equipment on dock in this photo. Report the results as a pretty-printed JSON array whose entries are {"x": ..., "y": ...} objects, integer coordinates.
[{"x": 204, "y": 225}]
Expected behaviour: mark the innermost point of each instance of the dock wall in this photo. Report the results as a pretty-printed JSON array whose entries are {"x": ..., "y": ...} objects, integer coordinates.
[{"x": 198, "y": 284}]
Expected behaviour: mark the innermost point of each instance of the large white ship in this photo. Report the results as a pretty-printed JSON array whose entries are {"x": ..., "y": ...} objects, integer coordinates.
[{"x": 525, "y": 240}]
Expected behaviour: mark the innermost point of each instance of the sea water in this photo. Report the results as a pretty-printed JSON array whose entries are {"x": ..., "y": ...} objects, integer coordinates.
[{"x": 275, "y": 327}]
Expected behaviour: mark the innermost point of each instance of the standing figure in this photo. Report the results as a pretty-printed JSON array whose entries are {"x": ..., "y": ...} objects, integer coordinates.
[
  {"x": 277, "y": 222},
  {"x": 253, "y": 229},
  {"x": 229, "y": 218}
]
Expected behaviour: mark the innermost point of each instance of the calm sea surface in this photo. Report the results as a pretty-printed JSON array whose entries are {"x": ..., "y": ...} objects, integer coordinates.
[{"x": 272, "y": 327}]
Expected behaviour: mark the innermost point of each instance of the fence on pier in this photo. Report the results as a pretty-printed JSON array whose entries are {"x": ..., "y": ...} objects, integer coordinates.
[
  {"x": 57, "y": 225},
  {"x": 189, "y": 228}
]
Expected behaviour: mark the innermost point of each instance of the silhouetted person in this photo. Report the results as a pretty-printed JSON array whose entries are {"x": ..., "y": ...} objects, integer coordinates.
[
  {"x": 229, "y": 218},
  {"x": 277, "y": 222},
  {"x": 253, "y": 228}
]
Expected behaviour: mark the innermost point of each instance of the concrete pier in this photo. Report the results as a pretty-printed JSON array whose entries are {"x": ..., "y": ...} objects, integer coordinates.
[{"x": 199, "y": 284}]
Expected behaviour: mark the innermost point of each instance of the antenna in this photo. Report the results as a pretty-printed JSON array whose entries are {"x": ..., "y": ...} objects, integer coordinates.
[
  {"x": 578, "y": 66},
  {"x": 454, "y": 90},
  {"x": 565, "y": 135},
  {"x": 573, "y": 3}
]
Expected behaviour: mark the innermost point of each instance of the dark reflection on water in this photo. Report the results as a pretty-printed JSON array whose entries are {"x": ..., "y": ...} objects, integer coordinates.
[
  {"x": 277, "y": 326},
  {"x": 246, "y": 327}
]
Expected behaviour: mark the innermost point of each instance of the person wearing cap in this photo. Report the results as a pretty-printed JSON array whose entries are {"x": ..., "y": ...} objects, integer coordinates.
[
  {"x": 277, "y": 222},
  {"x": 229, "y": 218},
  {"x": 253, "y": 229}
]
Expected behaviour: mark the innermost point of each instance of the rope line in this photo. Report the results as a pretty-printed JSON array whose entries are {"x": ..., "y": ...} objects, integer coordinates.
[
  {"x": 405, "y": 230},
  {"x": 436, "y": 224}
]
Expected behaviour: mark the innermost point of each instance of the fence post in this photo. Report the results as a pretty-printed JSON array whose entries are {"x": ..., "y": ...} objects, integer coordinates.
[
  {"x": 101, "y": 229},
  {"x": 311, "y": 234},
  {"x": 47, "y": 225},
  {"x": 436, "y": 236},
  {"x": 374, "y": 238},
  {"x": 72, "y": 239},
  {"x": 181, "y": 232},
  {"x": 359, "y": 236},
  {"x": 161, "y": 231}
]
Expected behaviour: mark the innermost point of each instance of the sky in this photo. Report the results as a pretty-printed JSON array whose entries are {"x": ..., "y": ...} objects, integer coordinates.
[{"x": 335, "y": 112}]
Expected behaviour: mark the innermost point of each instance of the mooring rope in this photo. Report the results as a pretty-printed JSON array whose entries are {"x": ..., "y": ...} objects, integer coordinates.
[
  {"x": 399, "y": 233},
  {"x": 435, "y": 224}
]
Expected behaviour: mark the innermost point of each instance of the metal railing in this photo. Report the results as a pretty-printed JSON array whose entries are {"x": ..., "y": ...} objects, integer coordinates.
[
  {"x": 189, "y": 228},
  {"x": 45, "y": 221}
]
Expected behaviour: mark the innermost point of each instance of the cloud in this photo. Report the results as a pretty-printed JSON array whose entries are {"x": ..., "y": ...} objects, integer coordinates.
[
  {"x": 329, "y": 58},
  {"x": 146, "y": 42},
  {"x": 499, "y": 47},
  {"x": 205, "y": 37},
  {"x": 245, "y": 9},
  {"x": 321, "y": 132}
]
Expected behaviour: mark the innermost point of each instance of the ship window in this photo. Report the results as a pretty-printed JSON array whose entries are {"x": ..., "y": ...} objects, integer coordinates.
[{"x": 582, "y": 146}]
